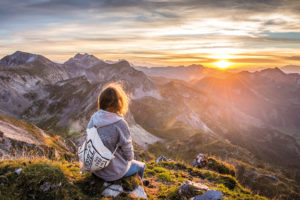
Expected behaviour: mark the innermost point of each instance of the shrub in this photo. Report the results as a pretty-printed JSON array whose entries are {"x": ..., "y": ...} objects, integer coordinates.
[
  {"x": 172, "y": 193},
  {"x": 129, "y": 183},
  {"x": 228, "y": 181},
  {"x": 91, "y": 185},
  {"x": 220, "y": 167},
  {"x": 165, "y": 176},
  {"x": 43, "y": 181}
]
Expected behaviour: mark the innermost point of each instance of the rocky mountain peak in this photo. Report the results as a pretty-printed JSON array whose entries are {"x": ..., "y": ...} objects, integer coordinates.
[
  {"x": 84, "y": 56},
  {"x": 273, "y": 74},
  {"x": 291, "y": 69},
  {"x": 275, "y": 70},
  {"x": 123, "y": 63},
  {"x": 83, "y": 59},
  {"x": 195, "y": 66},
  {"x": 18, "y": 58}
]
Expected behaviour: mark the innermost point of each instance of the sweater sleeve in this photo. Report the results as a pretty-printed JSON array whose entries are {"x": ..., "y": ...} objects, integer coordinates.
[{"x": 125, "y": 141}]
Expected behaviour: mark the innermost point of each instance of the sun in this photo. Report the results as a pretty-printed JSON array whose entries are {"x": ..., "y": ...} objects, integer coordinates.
[{"x": 222, "y": 64}]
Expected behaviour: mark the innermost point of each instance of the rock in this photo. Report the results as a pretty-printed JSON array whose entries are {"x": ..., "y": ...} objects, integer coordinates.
[
  {"x": 18, "y": 171},
  {"x": 48, "y": 186},
  {"x": 200, "y": 161},
  {"x": 162, "y": 158},
  {"x": 189, "y": 189},
  {"x": 139, "y": 192},
  {"x": 45, "y": 187},
  {"x": 112, "y": 190},
  {"x": 210, "y": 195},
  {"x": 3, "y": 180}
]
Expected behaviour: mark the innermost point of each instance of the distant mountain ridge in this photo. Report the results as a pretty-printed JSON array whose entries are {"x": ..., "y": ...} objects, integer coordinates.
[
  {"x": 51, "y": 94},
  {"x": 180, "y": 72},
  {"x": 291, "y": 69},
  {"x": 18, "y": 58},
  {"x": 255, "y": 111}
]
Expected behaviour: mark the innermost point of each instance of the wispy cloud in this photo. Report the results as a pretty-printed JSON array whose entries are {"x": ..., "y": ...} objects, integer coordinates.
[{"x": 161, "y": 32}]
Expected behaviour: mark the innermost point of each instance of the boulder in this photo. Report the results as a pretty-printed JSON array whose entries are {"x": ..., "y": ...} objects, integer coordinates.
[
  {"x": 139, "y": 192},
  {"x": 115, "y": 190},
  {"x": 200, "y": 160},
  {"x": 47, "y": 186},
  {"x": 162, "y": 158},
  {"x": 190, "y": 189},
  {"x": 112, "y": 190},
  {"x": 210, "y": 195},
  {"x": 18, "y": 171}
]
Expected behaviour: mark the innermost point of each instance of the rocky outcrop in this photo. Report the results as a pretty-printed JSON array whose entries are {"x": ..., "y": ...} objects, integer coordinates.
[
  {"x": 210, "y": 195},
  {"x": 21, "y": 139},
  {"x": 190, "y": 190},
  {"x": 116, "y": 190}
]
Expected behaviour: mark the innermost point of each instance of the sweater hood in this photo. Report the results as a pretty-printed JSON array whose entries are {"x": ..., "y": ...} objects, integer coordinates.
[{"x": 103, "y": 118}]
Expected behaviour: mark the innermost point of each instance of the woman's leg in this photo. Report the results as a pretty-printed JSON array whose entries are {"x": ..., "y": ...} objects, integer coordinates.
[{"x": 136, "y": 167}]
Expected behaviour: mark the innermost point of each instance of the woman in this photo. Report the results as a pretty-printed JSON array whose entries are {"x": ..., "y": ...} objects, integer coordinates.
[{"x": 114, "y": 133}]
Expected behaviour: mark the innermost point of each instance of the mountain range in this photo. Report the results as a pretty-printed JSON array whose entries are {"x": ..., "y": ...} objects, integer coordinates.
[{"x": 250, "y": 119}]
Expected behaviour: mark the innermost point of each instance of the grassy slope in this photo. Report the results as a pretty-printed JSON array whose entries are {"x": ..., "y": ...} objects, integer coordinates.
[
  {"x": 67, "y": 183},
  {"x": 252, "y": 173},
  {"x": 50, "y": 141}
]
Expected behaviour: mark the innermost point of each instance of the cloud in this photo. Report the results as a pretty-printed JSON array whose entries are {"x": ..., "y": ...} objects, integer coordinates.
[
  {"x": 161, "y": 31},
  {"x": 297, "y": 58}
]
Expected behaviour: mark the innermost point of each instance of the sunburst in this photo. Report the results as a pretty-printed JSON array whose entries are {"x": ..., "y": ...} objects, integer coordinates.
[{"x": 222, "y": 64}]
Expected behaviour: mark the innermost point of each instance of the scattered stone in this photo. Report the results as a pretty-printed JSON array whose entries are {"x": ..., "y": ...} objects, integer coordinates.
[
  {"x": 112, "y": 190},
  {"x": 162, "y": 158},
  {"x": 3, "y": 180},
  {"x": 189, "y": 189},
  {"x": 18, "y": 171},
  {"x": 139, "y": 192},
  {"x": 200, "y": 161},
  {"x": 210, "y": 195},
  {"x": 48, "y": 186},
  {"x": 45, "y": 187}
]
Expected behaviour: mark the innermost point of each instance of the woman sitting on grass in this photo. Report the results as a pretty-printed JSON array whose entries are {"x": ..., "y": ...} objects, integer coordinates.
[{"x": 113, "y": 131}]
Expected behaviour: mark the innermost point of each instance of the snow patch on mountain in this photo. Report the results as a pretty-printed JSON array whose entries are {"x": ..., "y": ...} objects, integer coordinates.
[
  {"x": 140, "y": 93},
  {"x": 194, "y": 120},
  {"x": 18, "y": 58},
  {"x": 141, "y": 136},
  {"x": 31, "y": 59}
]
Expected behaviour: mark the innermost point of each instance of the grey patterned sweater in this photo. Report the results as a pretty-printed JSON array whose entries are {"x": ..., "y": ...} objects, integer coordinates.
[{"x": 113, "y": 130}]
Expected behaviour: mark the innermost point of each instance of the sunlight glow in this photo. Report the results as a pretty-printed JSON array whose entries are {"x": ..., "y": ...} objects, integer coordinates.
[{"x": 222, "y": 64}]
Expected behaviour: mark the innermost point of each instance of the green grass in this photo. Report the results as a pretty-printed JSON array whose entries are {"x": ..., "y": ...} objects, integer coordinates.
[
  {"x": 224, "y": 182},
  {"x": 58, "y": 179},
  {"x": 65, "y": 182},
  {"x": 220, "y": 167}
]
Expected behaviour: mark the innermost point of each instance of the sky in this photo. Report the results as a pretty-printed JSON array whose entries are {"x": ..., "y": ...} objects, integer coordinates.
[{"x": 246, "y": 33}]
